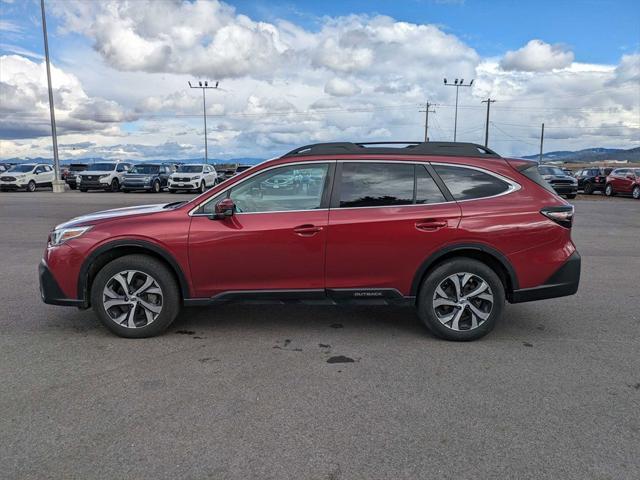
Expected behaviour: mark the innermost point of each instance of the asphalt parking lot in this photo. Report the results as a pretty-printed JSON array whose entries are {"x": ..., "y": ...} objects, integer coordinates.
[{"x": 247, "y": 391}]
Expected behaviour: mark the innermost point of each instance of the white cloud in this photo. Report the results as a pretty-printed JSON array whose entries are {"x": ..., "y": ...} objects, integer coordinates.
[
  {"x": 24, "y": 102},
  {"x": 537, "y": 56},
  {"x": 338, "y": 87}
]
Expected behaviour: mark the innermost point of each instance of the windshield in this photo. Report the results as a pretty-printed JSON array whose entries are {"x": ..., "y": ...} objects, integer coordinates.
[
  {"x": 77, "y": 168},
  {"x": 189, "y": 169},
  {"x": 147, "y": 169},
  {"x": 102, "y": 167},
  {"x": 22, "y": 168},
  {"x": 551, "y": 171}
]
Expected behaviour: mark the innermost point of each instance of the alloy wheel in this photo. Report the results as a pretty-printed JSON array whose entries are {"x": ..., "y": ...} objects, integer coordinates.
[
  {"x": 636, "y": 193},
  {"x": 132, "y": 299},
  {"x": 463, "y": 301}
]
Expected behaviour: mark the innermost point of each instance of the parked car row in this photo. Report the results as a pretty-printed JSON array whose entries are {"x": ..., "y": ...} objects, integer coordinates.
[
  {"x": 611, "y": 181},
  {"x": 117, "y": 176}
]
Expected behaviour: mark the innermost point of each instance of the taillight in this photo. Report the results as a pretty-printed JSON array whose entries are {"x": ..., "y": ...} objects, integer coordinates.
[{"x": 562, "y": 215}]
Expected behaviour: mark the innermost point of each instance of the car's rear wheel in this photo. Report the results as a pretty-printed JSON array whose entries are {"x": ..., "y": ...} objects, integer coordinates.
[
  {"x": 461, "y": 299},
  {"x": 31, "y": 186},
  {"x": 636, "y": 192},
  {"x": 608, "y": 191},
  {"x": 135, "y": 296},
  {"x": 588, "y": 189}
]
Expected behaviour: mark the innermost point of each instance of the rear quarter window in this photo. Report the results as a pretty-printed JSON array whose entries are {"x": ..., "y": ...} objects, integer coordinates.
[{"x": 469, "y": 184}]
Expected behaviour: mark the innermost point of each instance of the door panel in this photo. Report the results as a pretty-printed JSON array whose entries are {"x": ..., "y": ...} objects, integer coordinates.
[
  {"x": 383, "y": 247},
  {"x": 259, "y": 251}
]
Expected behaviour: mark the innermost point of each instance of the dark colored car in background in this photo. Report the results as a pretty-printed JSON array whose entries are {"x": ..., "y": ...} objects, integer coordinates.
[
  {"x": 592, "y": 179},
  {"x": 152, "y": 177},
  {"x": 562, "y": 183},
  {"x": 231, "y": 172},
  {"x": 72, "y": 174},
  {"x": 467, "y": 228},
  {"x": 625, "y": 181}
]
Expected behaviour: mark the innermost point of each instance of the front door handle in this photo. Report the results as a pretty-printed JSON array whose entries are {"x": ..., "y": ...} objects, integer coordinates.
[
  {"x": 307, "y": 230},
  {"x": 430, "y": 224}
]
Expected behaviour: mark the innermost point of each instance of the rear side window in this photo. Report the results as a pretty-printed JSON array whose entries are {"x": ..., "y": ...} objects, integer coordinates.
[
  {"x": 468, "y": 184},
  {"x": 376, "y": 184}
]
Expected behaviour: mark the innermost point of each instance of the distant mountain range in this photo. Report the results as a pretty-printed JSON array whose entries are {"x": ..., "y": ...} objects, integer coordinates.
[{"x": 590, "y": 155}]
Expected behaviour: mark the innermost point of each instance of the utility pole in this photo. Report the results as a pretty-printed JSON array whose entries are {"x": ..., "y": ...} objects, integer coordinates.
[
  {"x": 426, "y": 120},
  {"x": 456, "y": 84},
  {"x": 541, "y": 143},
  {"x": 488, "y": 101},
  {"x": 204, "y": 112},
  {"x": 57, "y": 184}
]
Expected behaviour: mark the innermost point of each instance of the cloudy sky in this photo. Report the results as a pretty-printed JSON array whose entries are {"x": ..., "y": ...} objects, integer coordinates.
[{"x": 293, "y": 73}]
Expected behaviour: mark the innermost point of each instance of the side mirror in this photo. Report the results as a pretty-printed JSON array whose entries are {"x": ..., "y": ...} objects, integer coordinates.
[{"x": 224, "y": 208}]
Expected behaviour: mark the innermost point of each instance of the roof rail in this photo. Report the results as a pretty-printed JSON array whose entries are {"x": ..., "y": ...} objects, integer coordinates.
[{"x": 459, "y": 149}]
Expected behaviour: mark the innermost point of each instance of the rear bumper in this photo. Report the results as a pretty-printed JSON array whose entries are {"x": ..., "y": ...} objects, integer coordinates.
[
  {"x": 50, "y": 291},
  {"x": 562, "y": 283}
]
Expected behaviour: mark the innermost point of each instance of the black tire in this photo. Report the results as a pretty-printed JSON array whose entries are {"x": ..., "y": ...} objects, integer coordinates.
[
  {"x": 31, "y": 186},
  {"x": 114, "y": 186},
  {"x": 571, "y": 196},
  {"x": 84, "y": 190},
  {"x": 156, "y": 187},
  {"x": 439, "y": 274},
  {"x": 588, "y": 188},
  {"x": 160, "y": 273},
  {"x": 202, "y": 187},
  {"x": 635, "y": 193},
  {"x": 608, "y": 190}
]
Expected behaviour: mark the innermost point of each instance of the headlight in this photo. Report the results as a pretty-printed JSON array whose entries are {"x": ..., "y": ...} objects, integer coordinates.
[
  {"x": 197, "y": 177},
  {"x": 146, "y": 179},
  {"x": 547, "y": 177},
  {"x": 104, "y": 176},
  {"x": 61, "y": 235}
]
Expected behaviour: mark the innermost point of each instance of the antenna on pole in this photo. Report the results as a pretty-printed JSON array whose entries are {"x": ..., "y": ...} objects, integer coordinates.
[
  {"x": 426, "y": 119},
  {"x": 488, "y": 101}
]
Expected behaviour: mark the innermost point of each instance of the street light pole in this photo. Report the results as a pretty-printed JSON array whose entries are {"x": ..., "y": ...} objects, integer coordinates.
[
  {"x": 456, "y": 84},
  {"x": 204, "y": 112},
  {"x": 57, "y": 184}
]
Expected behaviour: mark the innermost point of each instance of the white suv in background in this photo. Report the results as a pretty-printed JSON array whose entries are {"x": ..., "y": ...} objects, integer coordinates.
[
  {"x": 27, "y": 176},
  {"x": 103, "y": 176},
  {"x": 194, "y": 176}
]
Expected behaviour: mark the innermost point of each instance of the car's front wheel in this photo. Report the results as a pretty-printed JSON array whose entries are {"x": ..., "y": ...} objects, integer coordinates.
[
  {"x": 588, "y": 188},
  {"x": 31, "y": 186},
  {"x": 636, "y": 192},
  {"x": 461, "y": 299},
  {"x": 135, "y": 296},
  {"x": 202, "y": 187},
  {"x": 114, "y": 186},
  {"x": 608, "y": 191}
]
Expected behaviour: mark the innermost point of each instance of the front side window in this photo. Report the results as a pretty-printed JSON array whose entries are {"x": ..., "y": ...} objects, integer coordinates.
[
  {"x": 293, "y": 187},
  {"x": 376, "y": 184},
  {"x": 467, "y": 183}
]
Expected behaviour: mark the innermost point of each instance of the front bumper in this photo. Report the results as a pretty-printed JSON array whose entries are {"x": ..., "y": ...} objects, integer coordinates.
[
  {"x": 93, "y": 184},
  {"x": 136, "y": 186},
  {"x": 12, "y": 186},
  {"x": 50, "y": 291},
  {"x": 565, "y": 189},
  {"x": 563, "y": 282},
  {"x": 184, "y": 185}
]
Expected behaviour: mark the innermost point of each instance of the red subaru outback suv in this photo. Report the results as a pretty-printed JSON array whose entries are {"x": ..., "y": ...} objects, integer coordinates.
[{"x": 452, "y": 228}]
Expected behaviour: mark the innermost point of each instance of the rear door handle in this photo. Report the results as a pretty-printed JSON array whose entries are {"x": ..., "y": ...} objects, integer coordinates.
[
  {"x": 430, "y": 224},
  {"x": 307, "y": 230}
]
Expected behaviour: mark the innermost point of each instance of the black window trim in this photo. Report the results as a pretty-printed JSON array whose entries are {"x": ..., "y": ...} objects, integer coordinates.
[{"x": 324, "y": 202}]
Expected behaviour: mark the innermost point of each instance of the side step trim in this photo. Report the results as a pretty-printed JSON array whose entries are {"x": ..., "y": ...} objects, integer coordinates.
[{"x": 336, "y": 296}]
